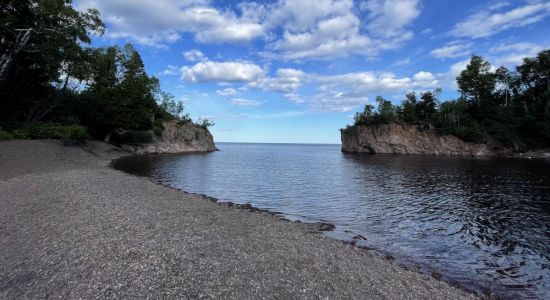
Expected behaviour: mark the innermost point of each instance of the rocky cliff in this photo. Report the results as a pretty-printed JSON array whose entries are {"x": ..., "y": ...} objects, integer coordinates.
[
  {"x": 396, "y": 138},
  {"x": 177, "y": 138}
]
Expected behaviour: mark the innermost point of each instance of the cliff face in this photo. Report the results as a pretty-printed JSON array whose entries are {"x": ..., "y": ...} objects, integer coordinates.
[
  {"x": 408, "y": 139},
  {"x": 178, "y": 138}
]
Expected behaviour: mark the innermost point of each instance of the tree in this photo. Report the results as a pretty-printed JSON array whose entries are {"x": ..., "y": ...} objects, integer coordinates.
[
  {"x": 41, "y": 44},
  {"x": 476, "y": 83},
  {"x": 121, "y": 95},
  {"x": 427, "y": 106},
  {"x": 386, "y": 110},
  {"x": 408, "y": 111}
]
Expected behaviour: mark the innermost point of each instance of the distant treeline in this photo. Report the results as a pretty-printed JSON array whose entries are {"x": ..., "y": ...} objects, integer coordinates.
[
  {"x": 510, "y": 106},
  {"x": 53, "y": 84}
]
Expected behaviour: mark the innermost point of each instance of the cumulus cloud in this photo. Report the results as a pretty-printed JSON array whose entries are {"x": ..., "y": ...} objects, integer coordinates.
[
  {"x": 388, "y": 18},
  {"x": 292, "y": 30},
  {"x": 488, "y": 22},
  {"x": 194, "y": 55},
  {"x": 345, "y": 92},
  {"x": 327, "y": 28},
  {"x": 157, "y": 22},
  {"x": 210, "y": 71},
  {"x": 451, "y": 50},
  {"x": 286, "y": 81}
]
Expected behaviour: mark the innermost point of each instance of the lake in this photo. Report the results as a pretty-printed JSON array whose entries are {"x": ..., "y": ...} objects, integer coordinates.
[{"x": 479, "y": 222}]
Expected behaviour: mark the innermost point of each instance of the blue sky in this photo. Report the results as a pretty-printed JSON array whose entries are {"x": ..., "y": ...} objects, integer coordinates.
[{"x": 296, "y": 71}]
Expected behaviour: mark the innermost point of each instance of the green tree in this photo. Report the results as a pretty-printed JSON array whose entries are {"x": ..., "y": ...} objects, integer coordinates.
[
  {"x": 408, "y": 108},
  {"x": 386, "y": 110},
  {"x": 121, "y": 96},
  {"x": 476, "y": 83},
  {"x": 427, "y": 106},
  {"x": 41, "y": 44}
]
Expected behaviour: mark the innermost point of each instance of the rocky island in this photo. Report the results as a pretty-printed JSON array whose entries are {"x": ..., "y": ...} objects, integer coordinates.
[{"x": 395, "y": 138}]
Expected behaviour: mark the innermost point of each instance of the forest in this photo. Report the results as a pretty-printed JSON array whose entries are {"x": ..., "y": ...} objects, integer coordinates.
[
  {"x": 510, "y": 106},
  {"x": 54, "y": 84}
]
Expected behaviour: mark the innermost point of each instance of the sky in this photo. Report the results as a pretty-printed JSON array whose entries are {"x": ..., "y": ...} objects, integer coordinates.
[{"x": 296, "y": 71}]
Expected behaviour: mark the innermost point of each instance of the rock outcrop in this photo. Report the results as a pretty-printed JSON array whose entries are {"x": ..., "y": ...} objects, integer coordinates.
[
  {"x": 176, "y": 138},
  {"x": 397, "y": 138}
]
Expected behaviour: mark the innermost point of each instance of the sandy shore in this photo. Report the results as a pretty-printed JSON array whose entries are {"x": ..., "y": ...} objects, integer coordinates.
[{"x": 71, "y": 227}]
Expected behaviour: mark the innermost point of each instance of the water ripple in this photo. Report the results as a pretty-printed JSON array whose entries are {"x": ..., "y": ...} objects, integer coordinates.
[{"x": 483, "y": 223}]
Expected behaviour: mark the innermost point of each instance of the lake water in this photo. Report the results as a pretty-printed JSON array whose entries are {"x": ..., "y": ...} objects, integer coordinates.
[{"x": 481, "y": 223}]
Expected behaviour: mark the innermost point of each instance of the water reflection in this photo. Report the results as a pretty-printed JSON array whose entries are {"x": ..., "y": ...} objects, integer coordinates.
[{"x": 479, "y": 222}]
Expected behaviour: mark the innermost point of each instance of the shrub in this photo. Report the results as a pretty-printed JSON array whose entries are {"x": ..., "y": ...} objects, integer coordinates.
[
  {"x": 139, "y": 137},
  {"x": 132, "y": 137},
  {"x": 472, "y": 134},
  {"x": 20, "y": 134},
  {"x": 4, "y": 135},
  {"x": 56, "y": 131}
]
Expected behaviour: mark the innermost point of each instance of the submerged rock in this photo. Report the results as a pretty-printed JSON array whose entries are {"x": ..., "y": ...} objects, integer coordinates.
[{"x": 397, "y": 138}]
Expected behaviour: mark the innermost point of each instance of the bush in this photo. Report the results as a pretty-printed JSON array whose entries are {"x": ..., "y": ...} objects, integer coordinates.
[
  {"x": 472, "y": 134},
  {"x": 4, "y": 135},
  {"x": 21, "y": 134},
  {"x": 132, "y": 137},
  {"x": 56, "y": 131}
]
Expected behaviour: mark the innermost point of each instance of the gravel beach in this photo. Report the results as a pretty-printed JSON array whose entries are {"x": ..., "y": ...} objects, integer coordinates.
[{"x": 72, "y": 227}]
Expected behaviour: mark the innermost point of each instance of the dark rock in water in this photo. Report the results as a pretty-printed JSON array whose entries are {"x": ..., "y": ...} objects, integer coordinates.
[
  {"x": 326, "y": 227},
  {"x": 365, "y": 247},
  {"x": 389, "y": 257},
  {"x": 359, "y": 237},
  {"x": 437, "y": 275}
]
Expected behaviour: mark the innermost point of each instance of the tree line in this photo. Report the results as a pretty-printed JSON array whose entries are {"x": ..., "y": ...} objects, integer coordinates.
[
  {"x": 511, "y": 106},
  {"x": 54, "y": 84}
]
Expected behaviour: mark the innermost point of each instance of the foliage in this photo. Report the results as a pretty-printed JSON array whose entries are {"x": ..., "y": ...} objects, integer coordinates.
[
  {"x": 4, "y": 135},
  {"x": 51, "y": 80},
  {"x": 21, "y": 134},
  {"x": 132, "y": 137},
  {"x": 41, "y": 51},
  {"x": 56, "y": 131},
  {"x": 510, "y": 106},
  {"x": 205, "y": 123}
]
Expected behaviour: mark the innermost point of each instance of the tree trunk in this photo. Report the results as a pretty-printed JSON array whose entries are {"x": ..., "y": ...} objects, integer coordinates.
[{"x": 7, "y": 58}]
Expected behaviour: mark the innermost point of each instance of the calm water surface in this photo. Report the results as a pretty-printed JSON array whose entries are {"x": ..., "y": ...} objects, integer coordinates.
[{"x": 482, "y": 223}]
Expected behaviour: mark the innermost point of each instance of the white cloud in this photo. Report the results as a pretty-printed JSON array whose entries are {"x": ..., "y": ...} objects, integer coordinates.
[
  {"x": 294, "y": 98},
  {"x": 292, "y": 30},
  {"x": 210, "y": 71},
  {"x": 389, "y": 17},
  {"x": 512, "y": 54},
  {"x": 285, "y": 81},
  {"x": 488, "y": 22},
  {"x": 170, "y": 71},
  {"x": 157, "y": 22},
  {"x": 452, "y": 50},
  {"x": 424, "y": 80},
  {"x": 323, "y": 29},
  {"x": 227, "y": 92},
  {"x": 244, "y": 102},
  {"x": 194, "y": 55},
  {"x": 521, "y": 46},
  {"x": 345, "y": 92}
]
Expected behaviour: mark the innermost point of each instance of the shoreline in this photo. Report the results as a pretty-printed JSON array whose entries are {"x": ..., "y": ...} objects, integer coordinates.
[
  {"x": 74, "y": 226},
  {"x": 355, "y": 240}
]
